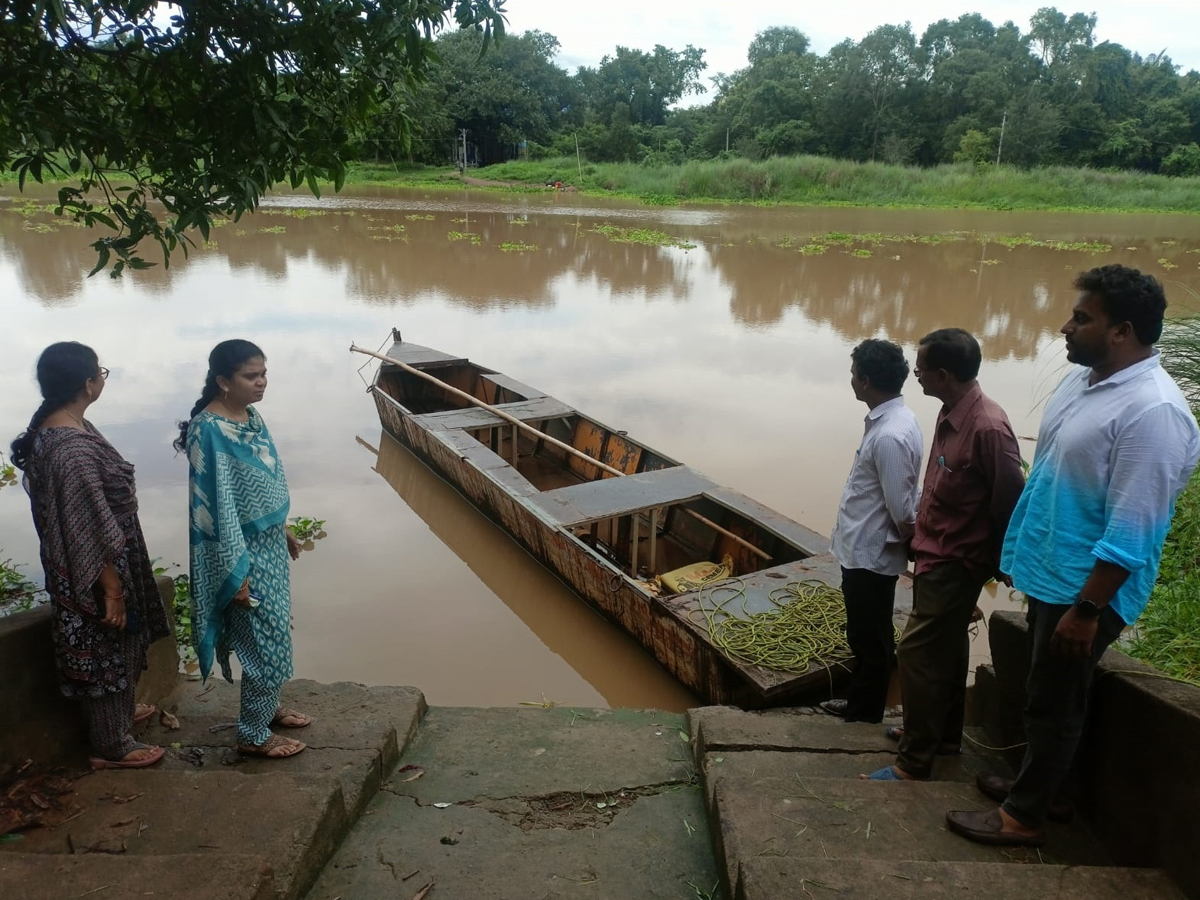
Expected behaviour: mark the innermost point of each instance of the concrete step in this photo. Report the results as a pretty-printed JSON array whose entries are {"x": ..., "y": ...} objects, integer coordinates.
[
  {"x": 957, "y": 769},
  {"x": 293, "y": 820},
  {"x": 871, "y": 879},
  {"x": 801, "y": 730},
  {"x": 207, "y": 876},
  {"x": 762, "y": 806},
  {"x": 207, "y": 800},
  {"x": 356, "y": 735},
  {"x": 553, "y": 804}
]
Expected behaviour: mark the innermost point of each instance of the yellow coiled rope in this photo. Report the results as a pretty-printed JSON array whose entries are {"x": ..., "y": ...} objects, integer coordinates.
[{"x": 806, "y": 625}]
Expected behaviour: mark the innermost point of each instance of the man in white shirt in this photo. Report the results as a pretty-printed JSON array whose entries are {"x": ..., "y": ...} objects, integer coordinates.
[
  {"x": 874, "y": 524},
  {"x": 1116, "y": 447}
]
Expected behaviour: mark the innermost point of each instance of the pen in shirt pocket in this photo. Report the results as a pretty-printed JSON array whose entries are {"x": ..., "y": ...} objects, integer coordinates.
[{"x": 942, "y": 463}]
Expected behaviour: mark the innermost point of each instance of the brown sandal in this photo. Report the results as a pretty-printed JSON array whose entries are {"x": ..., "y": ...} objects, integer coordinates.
[
  {"x": 285, "y": 712},
  {"x": 146, "y": 711},
  {"x": 155, "y": 754},
  {"x": 274, "y": 747}
]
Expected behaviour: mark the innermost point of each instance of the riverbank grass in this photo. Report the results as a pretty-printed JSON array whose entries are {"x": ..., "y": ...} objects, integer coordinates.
[
  {"x": 821, "y": 181},
  {"x": 1168, "y": 634}
]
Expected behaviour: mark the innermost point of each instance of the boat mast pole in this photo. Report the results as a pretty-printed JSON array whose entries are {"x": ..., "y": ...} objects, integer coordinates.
[{"x": 475, "y": 401}]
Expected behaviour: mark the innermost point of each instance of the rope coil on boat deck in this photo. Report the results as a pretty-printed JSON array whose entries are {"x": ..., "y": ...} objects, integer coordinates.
[{"x": 806, "y": 625}]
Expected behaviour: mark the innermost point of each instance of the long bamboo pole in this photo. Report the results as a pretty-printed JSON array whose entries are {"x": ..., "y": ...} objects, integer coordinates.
[{"x": 475, "y": 401}]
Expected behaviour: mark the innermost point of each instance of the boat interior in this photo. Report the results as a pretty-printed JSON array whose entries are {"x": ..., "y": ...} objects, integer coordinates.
[{"x": 681, "y": 535}]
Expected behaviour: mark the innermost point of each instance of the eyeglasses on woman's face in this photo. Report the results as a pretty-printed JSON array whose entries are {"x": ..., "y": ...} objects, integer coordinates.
[{"x": 103, "y": 373}]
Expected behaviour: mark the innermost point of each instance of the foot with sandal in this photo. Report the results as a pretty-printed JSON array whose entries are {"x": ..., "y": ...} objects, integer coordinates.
[{"x": 277, "y": 746}]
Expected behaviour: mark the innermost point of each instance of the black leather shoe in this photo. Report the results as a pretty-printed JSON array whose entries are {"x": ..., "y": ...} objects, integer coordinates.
[
  {"x": 996, "y": 787},
  {"x": 835, "y": 707}
]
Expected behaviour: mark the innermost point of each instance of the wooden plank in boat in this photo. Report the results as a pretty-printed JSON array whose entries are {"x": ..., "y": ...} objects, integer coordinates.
[
  {"x": 473, "y": 417},
  {"x": 794, "y": 533},
  {"x": 580, "y": 503},
  {"x": 423, "y": 357},
  {"x": 511, "y": 384},
  {"x": 470, "y": 449}
]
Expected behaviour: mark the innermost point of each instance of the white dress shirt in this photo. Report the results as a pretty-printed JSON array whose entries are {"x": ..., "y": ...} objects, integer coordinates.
[{"x": 879, "y": 503}]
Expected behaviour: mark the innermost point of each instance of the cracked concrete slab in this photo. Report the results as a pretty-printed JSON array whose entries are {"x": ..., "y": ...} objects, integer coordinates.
[
  {"x": 804, "y": 879},
  {"x": 652, "y": 847},
  {"x": 470, "y": 753}
]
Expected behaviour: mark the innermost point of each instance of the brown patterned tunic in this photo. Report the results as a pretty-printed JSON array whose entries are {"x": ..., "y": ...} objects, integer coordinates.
[{"x": 85, "y": 512}]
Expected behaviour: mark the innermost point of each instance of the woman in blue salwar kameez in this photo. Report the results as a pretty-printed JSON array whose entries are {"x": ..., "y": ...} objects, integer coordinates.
[{"x": 240, "y": 544}]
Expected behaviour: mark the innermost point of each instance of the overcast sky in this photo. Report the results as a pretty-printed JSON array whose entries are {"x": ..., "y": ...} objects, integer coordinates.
[{"x": 587, "y": 31}]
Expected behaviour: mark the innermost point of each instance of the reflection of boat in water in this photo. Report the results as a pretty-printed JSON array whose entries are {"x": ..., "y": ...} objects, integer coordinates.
[
  {"x": 612, "y": 664},
  {"x": 607, "y": 536}
]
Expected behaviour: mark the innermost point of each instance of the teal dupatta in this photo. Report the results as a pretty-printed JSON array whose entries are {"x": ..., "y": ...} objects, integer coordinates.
[{"x": 237, "y": 490}]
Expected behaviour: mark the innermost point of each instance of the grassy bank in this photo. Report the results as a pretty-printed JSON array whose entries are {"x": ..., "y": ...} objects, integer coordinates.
[
  {"x": 1168, "y": 634},
  {"x": 821, "y": 181},
  {"x": 815, "y": 181}
]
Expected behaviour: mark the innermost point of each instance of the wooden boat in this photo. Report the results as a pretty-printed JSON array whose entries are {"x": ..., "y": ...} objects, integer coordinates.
[{"x": 607, "y": 536}]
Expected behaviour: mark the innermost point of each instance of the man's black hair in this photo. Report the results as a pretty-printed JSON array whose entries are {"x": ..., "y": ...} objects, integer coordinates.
[
  {"x": 954, "y": 350},
  {"x": 883, "y": 363},
  {"x": 1128, "y": 296}
]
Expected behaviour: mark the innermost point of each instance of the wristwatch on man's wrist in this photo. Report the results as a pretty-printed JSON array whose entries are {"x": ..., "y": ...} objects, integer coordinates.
[{"x": 1085, "y": 609}]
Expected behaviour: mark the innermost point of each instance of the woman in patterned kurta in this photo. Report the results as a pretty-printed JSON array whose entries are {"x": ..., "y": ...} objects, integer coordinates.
[
  {"x": 105, "y": 605},
  {"x": 240, "y": 544}
]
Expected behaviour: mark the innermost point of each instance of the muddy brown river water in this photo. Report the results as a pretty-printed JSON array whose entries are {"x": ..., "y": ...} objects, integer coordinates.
[{"x": 731, "y": 354}]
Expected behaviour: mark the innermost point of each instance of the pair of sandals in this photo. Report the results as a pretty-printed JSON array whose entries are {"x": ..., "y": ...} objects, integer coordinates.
[{"x": 277, "y": 746}]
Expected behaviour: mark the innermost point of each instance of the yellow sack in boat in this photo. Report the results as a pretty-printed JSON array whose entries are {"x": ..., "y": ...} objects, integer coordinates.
[{"x": 697, "y": 575}]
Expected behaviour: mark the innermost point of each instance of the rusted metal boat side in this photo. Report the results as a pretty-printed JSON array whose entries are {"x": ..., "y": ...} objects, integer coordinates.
[{"x": 670, "y": 628}]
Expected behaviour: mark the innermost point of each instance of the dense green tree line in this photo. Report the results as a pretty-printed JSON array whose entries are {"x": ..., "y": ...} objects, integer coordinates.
[{"x": 966, "y": 89}]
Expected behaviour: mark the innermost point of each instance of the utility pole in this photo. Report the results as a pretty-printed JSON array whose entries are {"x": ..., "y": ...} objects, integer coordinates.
[
  {"x": 726, "y": 140},
  {"x": 464, "y": 149},
  {"x": 578, "y": 163},
  {"x": 1000, "y": 148}
]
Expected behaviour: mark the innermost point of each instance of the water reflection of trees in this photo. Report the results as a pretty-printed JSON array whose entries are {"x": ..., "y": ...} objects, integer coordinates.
[
  {"x": 387, "y": 258},
  {"x": 1011, "y": 304}
]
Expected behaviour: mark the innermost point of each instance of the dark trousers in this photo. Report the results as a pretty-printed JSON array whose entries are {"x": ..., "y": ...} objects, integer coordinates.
[
  {"x": 934, "y": 656},
  {"x": 1055, "y": 709},
  {"x": 870, "y": 598}
]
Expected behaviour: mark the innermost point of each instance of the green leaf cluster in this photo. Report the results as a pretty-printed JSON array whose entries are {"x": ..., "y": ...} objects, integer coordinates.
[{"x": 159, "y": 117}]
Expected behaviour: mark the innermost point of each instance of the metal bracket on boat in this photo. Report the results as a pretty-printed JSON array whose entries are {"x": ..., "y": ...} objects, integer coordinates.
[{"x": 396, "y": 336}]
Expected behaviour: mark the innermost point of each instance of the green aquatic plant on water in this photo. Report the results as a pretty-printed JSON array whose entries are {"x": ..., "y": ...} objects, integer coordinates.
[
  {"x": 646, "y": 236},
  {"x": 307, "y": 529},
  {"x": 517, "y": 247},
  {"x": 468, "y": 236}
]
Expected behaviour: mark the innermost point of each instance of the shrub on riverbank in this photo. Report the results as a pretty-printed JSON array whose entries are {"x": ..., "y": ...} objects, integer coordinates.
[
  {"x": 824, "y": 181},
  {"x": 1168, "y": 635}
]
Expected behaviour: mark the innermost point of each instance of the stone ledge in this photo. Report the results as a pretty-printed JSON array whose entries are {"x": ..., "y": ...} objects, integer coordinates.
[
  {"x": 867, "y": 879},
  {"x": 34, "y": 876},
  {"x": 37, "y": 721}
]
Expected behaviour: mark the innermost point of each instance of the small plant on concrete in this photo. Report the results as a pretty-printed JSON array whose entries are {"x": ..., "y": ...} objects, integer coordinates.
[{"x": 17, "y": 593}]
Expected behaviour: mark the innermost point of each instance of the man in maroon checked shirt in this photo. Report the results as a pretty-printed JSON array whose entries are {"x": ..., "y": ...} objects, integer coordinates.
[{"x": 972, "y": 482}]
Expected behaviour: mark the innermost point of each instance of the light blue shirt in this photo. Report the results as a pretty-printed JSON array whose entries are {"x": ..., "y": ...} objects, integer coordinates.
[
  {"x": 879, "y": 503},
  {"x": 1111, "y": 460}
]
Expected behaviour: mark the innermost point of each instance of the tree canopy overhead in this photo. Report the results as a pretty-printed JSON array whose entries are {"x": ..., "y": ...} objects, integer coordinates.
[{"x": 202, "y": 105}]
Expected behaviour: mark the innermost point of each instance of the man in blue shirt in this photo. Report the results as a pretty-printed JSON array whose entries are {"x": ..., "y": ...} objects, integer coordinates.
[{"x": 1116, "y": 447}]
